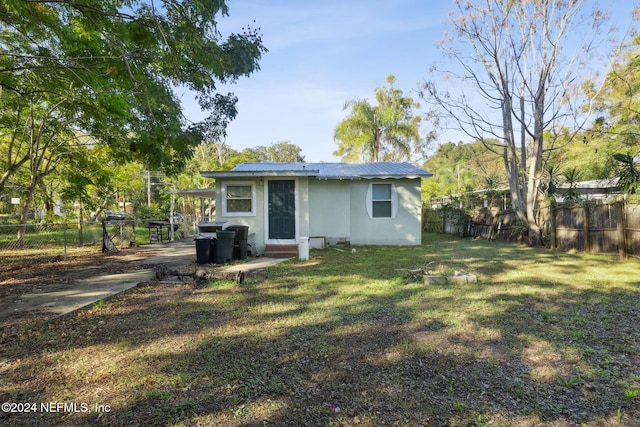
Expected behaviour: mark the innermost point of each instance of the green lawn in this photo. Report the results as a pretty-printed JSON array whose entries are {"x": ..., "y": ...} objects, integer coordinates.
[{"x": 544, "y": 338}]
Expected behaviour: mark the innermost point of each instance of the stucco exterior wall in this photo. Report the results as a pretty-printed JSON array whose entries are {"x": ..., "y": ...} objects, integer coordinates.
[
  {"x": 336, "y": 210},
  {"x": 403, "y": 229},
  {"x": 302, "y": 199},
  {"x": 329, "y": 209}
]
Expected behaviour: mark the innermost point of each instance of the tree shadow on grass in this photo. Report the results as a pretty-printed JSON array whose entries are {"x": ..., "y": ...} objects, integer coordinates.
[
  {"x": 310, "y": 349},
  {"x": 579, "y": 350}
]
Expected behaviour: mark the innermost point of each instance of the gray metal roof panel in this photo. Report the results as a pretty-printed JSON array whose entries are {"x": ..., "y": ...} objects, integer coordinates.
[
  {"x": 369, "y": 170},
  {"x": 594, "y": 184},
  {"x": 256, "y": 173}
]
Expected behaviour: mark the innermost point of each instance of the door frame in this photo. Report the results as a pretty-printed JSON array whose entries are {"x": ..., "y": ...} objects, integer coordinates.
[{"x": 296, "y": 216}]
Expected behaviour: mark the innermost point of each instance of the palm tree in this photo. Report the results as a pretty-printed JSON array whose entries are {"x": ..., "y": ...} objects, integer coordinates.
[
  {"x": 628, "y": 172},
  {"x": 385, "y": 132},
  {"x": 359, "y": 133},
  {"x": 571, "y": 177}
]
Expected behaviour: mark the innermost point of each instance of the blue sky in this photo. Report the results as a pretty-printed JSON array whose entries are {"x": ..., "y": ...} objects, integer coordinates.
[{"x": 323, "y": 53}]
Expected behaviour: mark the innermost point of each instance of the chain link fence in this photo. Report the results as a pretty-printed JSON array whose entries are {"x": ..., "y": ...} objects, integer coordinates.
[{"x": 63, "y": 239}]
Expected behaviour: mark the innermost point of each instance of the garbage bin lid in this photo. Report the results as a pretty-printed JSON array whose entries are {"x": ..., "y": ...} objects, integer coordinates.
[{"x": 213, "y": 223}]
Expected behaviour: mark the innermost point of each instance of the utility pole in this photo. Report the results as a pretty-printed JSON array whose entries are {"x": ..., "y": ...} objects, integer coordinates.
[{"x": 149, "y": 188}]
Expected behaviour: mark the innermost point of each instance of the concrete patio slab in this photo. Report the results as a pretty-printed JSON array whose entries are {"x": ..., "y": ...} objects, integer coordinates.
[
  {"x": 64, "y": 298},
  {"x": 80, "y": 294}
]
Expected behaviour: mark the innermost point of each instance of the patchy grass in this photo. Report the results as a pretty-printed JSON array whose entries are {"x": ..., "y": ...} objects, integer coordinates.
[{"x": 544, "y": 338}]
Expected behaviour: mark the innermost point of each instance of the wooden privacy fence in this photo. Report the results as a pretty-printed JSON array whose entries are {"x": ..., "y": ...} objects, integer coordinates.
[{"x": 602, "y": 228}]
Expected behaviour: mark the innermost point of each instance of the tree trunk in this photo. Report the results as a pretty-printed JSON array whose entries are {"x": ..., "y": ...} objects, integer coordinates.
[
  {"x": 535, "y": 233},
  {"x": 535, "y": 165},
  {"x": 376, "y": 144},
  {"x": 552, "y": 220},
  {"x": 47, "y": 200},
  {"x": 24, "y": 216},
  {"x": 510, "y": 159}
]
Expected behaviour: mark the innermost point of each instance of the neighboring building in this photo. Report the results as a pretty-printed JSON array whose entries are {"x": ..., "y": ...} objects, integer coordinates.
[
  {"x": 359, "y": 203},
  {"x": 476, "y": 198},
  {"x": 601, "y": 190},
  {"x": 597, "y": 189}
]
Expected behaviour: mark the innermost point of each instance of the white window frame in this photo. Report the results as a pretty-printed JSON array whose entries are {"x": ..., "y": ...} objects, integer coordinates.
[
  {"x": 394, "y": 201},
  {"x": 225, "y": 211}
]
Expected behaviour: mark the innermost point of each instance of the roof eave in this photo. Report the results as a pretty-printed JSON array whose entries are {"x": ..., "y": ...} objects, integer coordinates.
[
  {"x": 407, "y": 176},
  {"x": 257, "y": 174}
]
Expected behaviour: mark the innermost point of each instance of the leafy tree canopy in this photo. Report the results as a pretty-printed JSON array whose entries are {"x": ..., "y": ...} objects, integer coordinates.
[
  {"x": 109, "y": 69},
  {"x": 615, "y": 135},
  {"x": 283, "y": 151},
  {"x": 617, "y": 98},
  {"x": 217, "y": 155},
  {"x": 462, "y": 167}
]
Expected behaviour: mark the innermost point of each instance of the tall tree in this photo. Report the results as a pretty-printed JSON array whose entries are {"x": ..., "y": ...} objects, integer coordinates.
[
  {"x": 462, "y": 167},
  {"x": 523, "y": 58},
  {"x": 619, "y": 125},
  {"x": 95, "y": 191},
  {"x": 217, "y": 155},
  {"x": 617, "y": 98},
  {"x": 116, "y": 64},
  {"x": 12, "y": 154},
  {"x": 591, "y": 151},
  {"x": 388, "y": 131},
  {"x": 283, "y": 151},
  {"x": 109, "y": 70}
]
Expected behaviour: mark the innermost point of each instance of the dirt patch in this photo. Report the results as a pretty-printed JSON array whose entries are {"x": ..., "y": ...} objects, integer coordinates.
[
  {"x": 46, "y": 272},
  {"x": 53, "y": 273}
]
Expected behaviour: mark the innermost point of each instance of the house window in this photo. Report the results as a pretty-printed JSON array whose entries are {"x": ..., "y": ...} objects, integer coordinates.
[
  {"x": 382, "y": 201},
  {"x": 239, "y": 199}
]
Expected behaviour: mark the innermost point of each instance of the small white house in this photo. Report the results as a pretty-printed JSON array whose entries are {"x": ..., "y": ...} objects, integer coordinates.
[{"x": 359, "y": 203}]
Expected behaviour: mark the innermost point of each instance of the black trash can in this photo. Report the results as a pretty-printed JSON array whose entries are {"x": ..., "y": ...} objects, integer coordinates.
[
  {"x": 240, "y": 243},
  {"x": 204, "y": 250},
  {"x": 224, "y": 246}
]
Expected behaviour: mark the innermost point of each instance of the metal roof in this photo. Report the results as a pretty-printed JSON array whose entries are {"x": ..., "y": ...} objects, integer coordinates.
[
  {"x": 607, "y": 183},
  {"x": 325, "y": 170}
]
